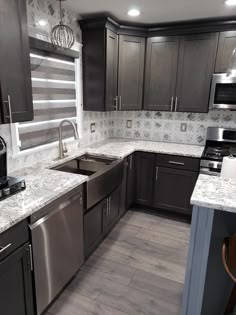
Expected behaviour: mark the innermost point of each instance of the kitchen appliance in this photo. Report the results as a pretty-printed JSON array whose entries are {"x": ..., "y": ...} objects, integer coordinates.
[
  {"x": 220, "y": 142},
  {"x": 57, "y": 245},
  {"x": 223, "y": 92},
  {"x": 8, "y": 185},
  {"x": 105, "y": 175}
]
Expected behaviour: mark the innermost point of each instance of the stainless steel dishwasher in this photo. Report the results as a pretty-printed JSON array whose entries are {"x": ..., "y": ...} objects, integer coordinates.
[{"x": 57, "y": 242}]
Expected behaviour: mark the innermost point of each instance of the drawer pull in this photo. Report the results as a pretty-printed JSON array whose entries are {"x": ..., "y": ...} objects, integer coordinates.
[
  {"x": 176, "y": 163},
  {"x": 2, "y": 249},
  {"x": 156, "y": 173}
]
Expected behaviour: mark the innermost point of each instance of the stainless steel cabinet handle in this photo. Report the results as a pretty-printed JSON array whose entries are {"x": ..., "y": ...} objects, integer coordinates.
[
  {"x": 176, "y": 103},
  {"x": 9, "y": 108},
  {"x": 109, "y": 205},
  {"x": 31, "y": 258},
  {"x": 176, "y": 163},
  {"x": 2, "y": 249},
  {"x": 120, "y": 107},
  {"x": 116, "y": 103},
  {"x": 156, "y": 173},
  {"x": 172, "y": 103}
]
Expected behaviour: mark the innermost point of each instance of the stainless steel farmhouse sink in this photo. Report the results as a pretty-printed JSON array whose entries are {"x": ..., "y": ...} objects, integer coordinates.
[{"x": 105, "y": 174}]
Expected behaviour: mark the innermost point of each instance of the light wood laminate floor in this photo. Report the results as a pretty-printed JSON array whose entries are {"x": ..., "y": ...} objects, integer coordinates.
[{"x": 138, "y": 269}]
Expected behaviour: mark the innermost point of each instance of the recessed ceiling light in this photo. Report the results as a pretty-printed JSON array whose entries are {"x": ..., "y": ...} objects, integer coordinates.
[
  {"x": 42, "y": 22},
  {"x": 134, "y": 12},
  {"x": 230, "y": 2}
]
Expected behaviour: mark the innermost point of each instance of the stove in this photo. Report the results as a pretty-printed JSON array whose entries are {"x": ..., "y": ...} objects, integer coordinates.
[
  {"x": 8, "y": 185},
  {"x": 220, "y": 142}
]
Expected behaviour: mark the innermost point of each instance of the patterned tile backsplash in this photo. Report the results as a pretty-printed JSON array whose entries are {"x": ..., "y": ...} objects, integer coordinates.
[{"x": 170, "y": 127}]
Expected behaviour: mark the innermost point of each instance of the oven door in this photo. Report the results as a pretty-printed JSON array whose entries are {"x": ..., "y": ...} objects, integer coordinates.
[{"x": 223, "y": 92}]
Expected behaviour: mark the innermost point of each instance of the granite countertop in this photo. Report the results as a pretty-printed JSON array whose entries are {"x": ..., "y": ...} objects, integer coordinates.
[
  {"x": 45, "y": 185},
  {"x": 215, "y": 192}
]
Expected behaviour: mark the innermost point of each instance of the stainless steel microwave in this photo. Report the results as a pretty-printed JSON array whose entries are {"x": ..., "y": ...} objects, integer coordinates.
[{"x": 223, "y": 92}]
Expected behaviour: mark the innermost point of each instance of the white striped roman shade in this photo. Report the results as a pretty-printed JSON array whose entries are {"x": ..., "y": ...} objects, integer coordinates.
[{"x": 54, "y": 99}]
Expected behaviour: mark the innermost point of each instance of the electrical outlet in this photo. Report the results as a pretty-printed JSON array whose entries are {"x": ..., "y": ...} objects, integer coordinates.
[
  {"x": 183, "y": 127},
  {"x": 92, "y": 127},
  {"x": 129, "y": 123}
]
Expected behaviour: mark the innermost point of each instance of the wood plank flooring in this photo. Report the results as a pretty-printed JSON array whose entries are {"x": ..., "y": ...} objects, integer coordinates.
[{"x": 138, "y": 269}]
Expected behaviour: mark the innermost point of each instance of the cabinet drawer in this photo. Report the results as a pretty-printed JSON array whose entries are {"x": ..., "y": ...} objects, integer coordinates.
[
  {"x": 178, "y": 162},
  {"x": 13, "y": 238}
]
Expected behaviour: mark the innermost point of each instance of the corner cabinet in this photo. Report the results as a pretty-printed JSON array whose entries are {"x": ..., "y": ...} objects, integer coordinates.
[
  {"x": 131, "y": 72},
  {"x": 227, "y": 43},
  {"x": 15, "y": 73}
]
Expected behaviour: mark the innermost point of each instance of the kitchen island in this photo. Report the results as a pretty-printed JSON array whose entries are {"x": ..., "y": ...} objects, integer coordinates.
[{"x": 207, "y": 286}]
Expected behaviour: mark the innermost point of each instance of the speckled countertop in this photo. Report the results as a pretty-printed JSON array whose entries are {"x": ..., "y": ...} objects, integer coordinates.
[
  {"x": 45, "y": 185},
  {"x": 215, "y": 192}
]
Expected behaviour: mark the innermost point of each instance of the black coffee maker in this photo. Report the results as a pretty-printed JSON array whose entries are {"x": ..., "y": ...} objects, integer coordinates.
[
  {"x": 8, "y": 185},
  {"x": 3, "y": 163}
]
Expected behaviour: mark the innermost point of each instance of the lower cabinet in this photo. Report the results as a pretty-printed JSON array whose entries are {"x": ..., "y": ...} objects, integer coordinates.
[
  {"x": 99, "y": 220},
  {"x": 16, "y": 289},
  {"x": 165, "y": 181},
  {"x": 93, "y": 227},
  {"x": 144, "y": 163},
  {"x": 130, "y": 180},
  {"x": 173, "y": 189},
  {"x": 16, "y": 283}
]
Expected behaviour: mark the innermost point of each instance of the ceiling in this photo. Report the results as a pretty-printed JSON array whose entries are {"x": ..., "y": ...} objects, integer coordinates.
[{"x": 153, "y": 11}]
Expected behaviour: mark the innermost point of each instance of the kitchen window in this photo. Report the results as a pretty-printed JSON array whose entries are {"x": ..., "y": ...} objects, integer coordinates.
[{"x": 55, "y": 97}]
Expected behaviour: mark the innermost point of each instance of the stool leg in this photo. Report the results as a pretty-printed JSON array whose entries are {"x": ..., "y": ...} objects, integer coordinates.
[{"x": 232, "y": 302}]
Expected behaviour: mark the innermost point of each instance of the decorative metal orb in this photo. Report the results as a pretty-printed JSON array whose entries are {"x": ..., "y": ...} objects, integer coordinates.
[{"x": 62, "y": 36}]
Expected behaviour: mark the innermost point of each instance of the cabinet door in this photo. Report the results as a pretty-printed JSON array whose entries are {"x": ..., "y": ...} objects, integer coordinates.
[
  {"x": 111, "y": 69},
  {"x": 16, "y": 283},
  {"x": 227, "y": 44},
  {"x": 173, "y": 189},
  {"x": 195, "y": 69},
  {"x": 93, "y": 227},
  {"x": 124, "y": 188},
  {"x": 114, "y": 207},
  {"x": 131, "y": 72},
  {"x": 15, "y": 74},
  {"x": 130, "y": 181},
  {"x": 144, "y": 178},
  {"x": 161, "y": 72}
]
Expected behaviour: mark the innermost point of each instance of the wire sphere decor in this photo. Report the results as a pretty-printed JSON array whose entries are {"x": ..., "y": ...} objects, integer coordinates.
[{"x": 62, "y": 35}]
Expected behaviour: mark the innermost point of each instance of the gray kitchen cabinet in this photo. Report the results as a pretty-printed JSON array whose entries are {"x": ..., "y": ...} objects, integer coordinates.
[
  {"x": 173, "y": 189},
  {"x": 195, "y": 68},
  {"x": 131, "y": 170},
  {"x": 144, "y": 165},
  {"x": 179, "y": 72},
  {"x": 99, "y": 220},
  {"x": 15, "y": 73},
  {"x": 227, "y": 43},
  {"x": 124, "y": 189},
  {"x": 16, "y": 283},
  {"x": 100, "y": 57},
  {"x": 160, "y": 73},
  {"x": 93, "y": 227},
  {"x": 131, "y": 72}
]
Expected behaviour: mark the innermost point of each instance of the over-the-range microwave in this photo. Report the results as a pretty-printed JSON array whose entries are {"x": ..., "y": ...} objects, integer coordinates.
[{"x": 223, "y": 92}]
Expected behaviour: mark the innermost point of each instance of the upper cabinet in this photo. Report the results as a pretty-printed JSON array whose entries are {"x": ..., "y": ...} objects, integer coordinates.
[
  {"x": 195, "y": 68},
  {"x": 179, "y": 72},
  {"x": 15, "y": 73},
  {"x": 131, "y": 72},
  {"x": 227, "y": 44},
  {"x": 100, "y": 50},
  {"x": 161, "y": 70}
]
